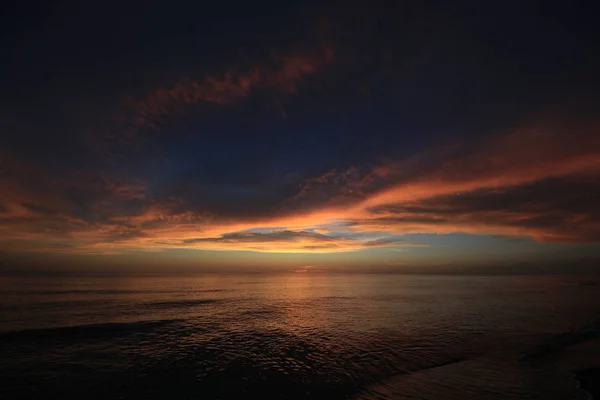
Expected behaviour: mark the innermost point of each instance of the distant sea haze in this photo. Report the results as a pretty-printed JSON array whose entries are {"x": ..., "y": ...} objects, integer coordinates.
[{"x": 294, "y": 336}]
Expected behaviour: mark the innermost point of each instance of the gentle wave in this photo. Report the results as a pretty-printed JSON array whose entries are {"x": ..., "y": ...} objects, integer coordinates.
[
  {"x": 181, "y": 303},
  {"x": 558, "y": 343},
  {"x": 335, "y": 339},
  {"x": 84, "y": 331},
  {"x": 110, "y": 291},
  {"x": 54, "y": 305},
  {"x": 478, "y": 378}
]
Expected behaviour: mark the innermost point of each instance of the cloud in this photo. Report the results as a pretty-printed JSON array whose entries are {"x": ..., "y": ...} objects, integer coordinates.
[
  {"x": 280, "y": 74},
  {"x": 538, "y": 182},
  {"x": 521, "y": 157},
  {"x": 286, "y": 241},
  {"x": 554, "y": 210},
  {"x": 126, "y": 130}
]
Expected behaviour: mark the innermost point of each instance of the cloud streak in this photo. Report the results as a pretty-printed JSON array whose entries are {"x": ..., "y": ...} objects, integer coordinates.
[
  {"x": 287, "y": 241},
  {"x": 280, "y": 74},
  {"x": 538, "y": 182}
]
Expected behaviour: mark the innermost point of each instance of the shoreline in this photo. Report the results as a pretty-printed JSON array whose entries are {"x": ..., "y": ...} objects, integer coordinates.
[{"x": 589, "y": 380}]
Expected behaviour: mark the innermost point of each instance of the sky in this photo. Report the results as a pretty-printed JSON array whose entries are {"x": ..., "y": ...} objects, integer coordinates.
[{"x": 299, "y": 136}]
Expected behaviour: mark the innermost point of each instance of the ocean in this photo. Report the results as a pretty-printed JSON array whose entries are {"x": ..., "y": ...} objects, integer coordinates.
[{"x": 288, "y": 336}]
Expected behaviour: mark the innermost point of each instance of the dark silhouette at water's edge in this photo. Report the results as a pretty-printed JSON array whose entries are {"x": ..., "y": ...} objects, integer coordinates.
[
  {"x": 589, "y": 378},
  {"x": 590, "y": 381},
  {"x": 557, "y": 344}
]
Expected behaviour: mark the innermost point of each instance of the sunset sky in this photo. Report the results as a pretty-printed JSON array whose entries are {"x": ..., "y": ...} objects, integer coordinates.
[{"x": 307, "y": 136}]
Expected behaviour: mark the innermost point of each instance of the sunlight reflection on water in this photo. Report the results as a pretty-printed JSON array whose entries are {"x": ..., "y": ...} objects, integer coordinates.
[{"x": 289, "y": 335}]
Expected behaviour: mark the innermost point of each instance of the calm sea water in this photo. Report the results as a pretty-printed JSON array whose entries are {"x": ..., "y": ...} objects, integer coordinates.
[{"x": 287, "y": 336}]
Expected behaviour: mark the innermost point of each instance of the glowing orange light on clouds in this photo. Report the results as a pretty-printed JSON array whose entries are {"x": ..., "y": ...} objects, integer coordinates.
[{"x": 499, "y": 165}]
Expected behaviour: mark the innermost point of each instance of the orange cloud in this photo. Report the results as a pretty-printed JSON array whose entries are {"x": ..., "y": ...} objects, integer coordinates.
[
  {"x": 518, "y": 158},
  {"x": 536, "y": 182},
  {"x": 281, "y": 74}
]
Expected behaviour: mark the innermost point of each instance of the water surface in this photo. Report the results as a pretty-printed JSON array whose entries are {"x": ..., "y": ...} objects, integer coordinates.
[{"x": 287, "y": 336}]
